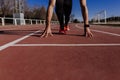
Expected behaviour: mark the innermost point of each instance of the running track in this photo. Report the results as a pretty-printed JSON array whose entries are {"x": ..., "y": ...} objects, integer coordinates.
[{"x": 26, "y": 56}]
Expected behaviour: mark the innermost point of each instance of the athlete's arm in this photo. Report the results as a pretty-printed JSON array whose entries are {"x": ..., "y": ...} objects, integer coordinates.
[
  {"x": 47, "y": 30},
  {"x": 84, "y": 9}
]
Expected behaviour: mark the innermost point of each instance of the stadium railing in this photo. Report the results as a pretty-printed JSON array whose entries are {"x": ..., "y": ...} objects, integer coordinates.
[{"x": 17, "y": 21}]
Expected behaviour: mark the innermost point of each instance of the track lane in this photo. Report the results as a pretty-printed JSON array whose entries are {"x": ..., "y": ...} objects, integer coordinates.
[{"x": 60, "y": 62}]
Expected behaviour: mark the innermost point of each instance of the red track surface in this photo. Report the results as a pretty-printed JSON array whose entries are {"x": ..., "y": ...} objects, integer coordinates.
[{"x": 61, "y": 57}]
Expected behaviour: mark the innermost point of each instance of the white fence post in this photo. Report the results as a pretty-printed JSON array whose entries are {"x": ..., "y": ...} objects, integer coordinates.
[
  {"x": 3, "y": 21},
  {"x": 36, "y": 22},
  {"x": 24, "y": 21},
  {"x": 44, "y": 22},
  {"x": 31, "y": 22},
  {"x": 15, "y": 22}
]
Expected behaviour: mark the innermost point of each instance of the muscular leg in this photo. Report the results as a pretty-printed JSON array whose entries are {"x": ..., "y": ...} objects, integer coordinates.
[
  {"x": 67, "y": 10},
  {"x": 60, "y": 13}
]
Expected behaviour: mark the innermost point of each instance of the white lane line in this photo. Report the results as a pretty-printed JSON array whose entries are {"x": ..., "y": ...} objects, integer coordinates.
[
  {"x": 16, "y": 41},
  {"x": 65, "y": 45},
  {"x": 104, "y": 32}
]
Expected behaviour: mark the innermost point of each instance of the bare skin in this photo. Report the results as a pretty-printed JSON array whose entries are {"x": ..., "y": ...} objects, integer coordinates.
[
  {"x": 51, "y": 6},
  {"x": 85, "y": 17},
  {"x": 47, "y": 30}
]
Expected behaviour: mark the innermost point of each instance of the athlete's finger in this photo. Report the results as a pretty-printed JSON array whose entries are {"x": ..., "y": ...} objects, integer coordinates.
[
  {"x": 51, "y": 34},
  {"x": 43, "y": 34}
]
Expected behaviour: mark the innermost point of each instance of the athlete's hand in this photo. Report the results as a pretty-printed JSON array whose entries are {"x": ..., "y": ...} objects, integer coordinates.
[
  {"x": 88, "y": 33},
  {"x": 47, "y": 32}
]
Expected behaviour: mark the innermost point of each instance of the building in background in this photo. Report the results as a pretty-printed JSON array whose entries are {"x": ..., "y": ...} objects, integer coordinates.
[{"x": 18, "y": 12}]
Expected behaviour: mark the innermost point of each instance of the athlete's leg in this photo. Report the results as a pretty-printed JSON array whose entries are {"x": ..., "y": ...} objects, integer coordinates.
[
  {"x": 67, "y": 10},
  {"x": 59, "y": 12}
]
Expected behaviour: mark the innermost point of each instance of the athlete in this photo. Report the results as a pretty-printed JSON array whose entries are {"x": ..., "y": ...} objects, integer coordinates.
[
  {"x": 51, "y": 6},
  {"x": 63, "y": 11}
]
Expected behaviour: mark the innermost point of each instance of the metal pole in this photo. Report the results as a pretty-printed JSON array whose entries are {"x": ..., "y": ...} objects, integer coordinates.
[
  {"x": 105, "y": 16},
  {"x": 98, "y": 18}
]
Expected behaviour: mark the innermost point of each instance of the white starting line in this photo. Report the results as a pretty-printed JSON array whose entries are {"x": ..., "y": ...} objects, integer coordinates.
[
  {"x": 65, "y": 45},
  {"x": 14, "y": 43}
]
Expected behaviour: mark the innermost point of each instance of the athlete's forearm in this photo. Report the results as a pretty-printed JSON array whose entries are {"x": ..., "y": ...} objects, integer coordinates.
[
  {"x": 50, "y": 12},
  {"x": 49, "y": 15},
  {"x": 84, "y": 11}
]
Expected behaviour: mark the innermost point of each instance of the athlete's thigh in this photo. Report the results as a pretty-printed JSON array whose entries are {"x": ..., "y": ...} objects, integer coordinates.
[
  {"x": 67, "y": 6},
  {"x": 68, "y": 2},
  {"x": 59, "y": 3}
]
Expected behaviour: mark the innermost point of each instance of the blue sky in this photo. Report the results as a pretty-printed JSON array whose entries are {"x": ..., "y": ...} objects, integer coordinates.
[{"x": 94, "y": 6}]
